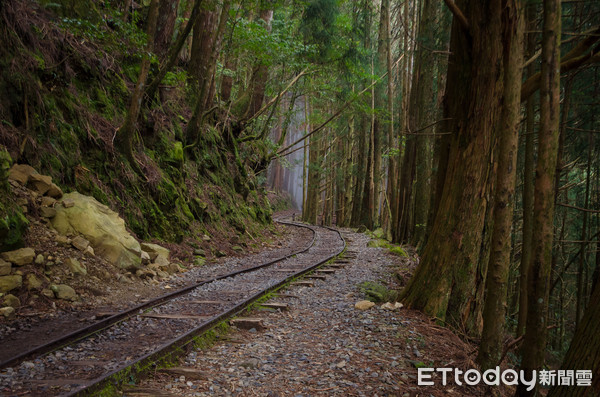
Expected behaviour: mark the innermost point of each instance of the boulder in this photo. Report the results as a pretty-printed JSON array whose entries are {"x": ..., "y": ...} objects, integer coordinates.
[
  {"x": 68, "y": 203},
  {"x": 63, "y": 291},
  {"x": 364, "y": 305},
  {"x": 237, "y": 249},
  {"x": 20, "y": 257},
  {"x": 101, "y": 226},
  {"x": 39, "y": 260},
  {"x": 145, "y": 257},
  {"x": 75, "y": 266},
  {"x": 199, "y": 252},
  {"x": 11, "y": 301},
  {"x": 21, "y": 173},
  {"x": 8, "y": 283},
  {"x": 40, "y": 183},
  {"x": 5, "y": 267}
]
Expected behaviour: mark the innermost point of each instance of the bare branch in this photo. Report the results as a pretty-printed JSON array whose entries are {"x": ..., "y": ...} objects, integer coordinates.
[{"x": 458, "y": 14}]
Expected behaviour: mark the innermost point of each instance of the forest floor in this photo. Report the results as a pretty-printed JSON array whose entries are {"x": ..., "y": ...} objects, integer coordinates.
[{"x": 323, "y": 345}]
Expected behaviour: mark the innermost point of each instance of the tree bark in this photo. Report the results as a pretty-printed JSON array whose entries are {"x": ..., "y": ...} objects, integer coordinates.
[
  {"x": 167, "y": 15},
  {"x": 543, "y": 208},
  {"x": 494, "y": 312},
  {"x": 448, "y": 283}
]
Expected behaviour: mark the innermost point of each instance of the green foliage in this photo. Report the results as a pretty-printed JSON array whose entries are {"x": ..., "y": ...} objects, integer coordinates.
[{"x": 318, "y": 25}]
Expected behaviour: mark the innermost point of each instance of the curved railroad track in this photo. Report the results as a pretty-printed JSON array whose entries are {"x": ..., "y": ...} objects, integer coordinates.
[{"x": 114, "y": 349}]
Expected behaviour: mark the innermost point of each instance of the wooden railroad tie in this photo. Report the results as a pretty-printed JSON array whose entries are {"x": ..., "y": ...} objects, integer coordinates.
[
  {"x": 276, "y": 305},
  {"x": 248, "y": 323},
  {"x": 325, "y": 271},
  {"x": 302, "y": 283},
  {"x": 316, "y": 277},
  {"x": 189, "y": 373},
  {"x": 175, "y": 316},
  {"x": 336, "y": 266}
]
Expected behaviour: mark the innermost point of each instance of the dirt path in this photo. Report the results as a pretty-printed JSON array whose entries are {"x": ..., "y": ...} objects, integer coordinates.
[{"x": 324, "y": 346}]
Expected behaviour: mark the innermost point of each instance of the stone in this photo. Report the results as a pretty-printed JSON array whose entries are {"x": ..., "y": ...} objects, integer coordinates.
[
  {"x": 63, "y": 291},
  {"x": 155, "y": 250},
  {"x": 40, "y": 183},
  {"x": 199, "y": 252},
  {"x": 378, "y": 233},
  {"x": 173, "y": 268},
  {"x": 80, "y": 243},
  {"x": 32, "y": 282},
  {"x": 8, "y": 312},
  {"x": 161, "y": 260},
  {"x": 47, "y": 212},
  {"x": 89, "y": 251},
  {"x": 76, "y": 267},
  {"x": 21, "y": 173},
  {"x": 48, "y": 201},
  {"x": 48, "y": 293},
  {"x": 364, "y": 305},
  {"x": 68, "y": 203},
  {"x": 5, "y": 267},
  {"x": 62, "y": 240},
  {"x": 39, "y": 259},
  {"x": 145, "y": 273},
  {"x": 20, "y": 257},
  {"x": 12, "y": 301},
  {"x": 102, "y": 227},
  {"x": 9, "y": 283},
  {"x": 220, "y": 254},
  {"x": 392, "y": 306},
  {"x": 206, "y": 238},
  {"x": 145, "y": 258},
  {"x": 54, "y": 191},
  {"x": 237, "y": 249}
]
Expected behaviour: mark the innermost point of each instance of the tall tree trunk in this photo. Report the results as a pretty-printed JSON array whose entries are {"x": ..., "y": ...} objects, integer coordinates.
[
  {"x": 448, "y": 283},
  {"x": 167, "y": 15},
  {"x": 543, "y": 208},
  {"x": 528, "y": 183},
  {"x": 314, "y": 180},
  {"x": 125, "y": 134},
  {"x": 494, "y": 311}
]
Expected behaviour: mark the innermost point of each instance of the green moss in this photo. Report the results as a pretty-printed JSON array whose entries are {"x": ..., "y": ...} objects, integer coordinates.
[
  {"x": 398, "y": 251},
  {"x": 376, "y": 292}
]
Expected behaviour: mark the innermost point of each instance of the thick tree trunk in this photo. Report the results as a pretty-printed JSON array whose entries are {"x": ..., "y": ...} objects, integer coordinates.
[
  {"x": 448, "y": 283},
  {"x": 534, "y": 344},
  {"x": 584, "y": 352},
  {"x": 494, "y": 312},
  {"x": 309, "y": 214},
  {"x": 167, "y": 15}
]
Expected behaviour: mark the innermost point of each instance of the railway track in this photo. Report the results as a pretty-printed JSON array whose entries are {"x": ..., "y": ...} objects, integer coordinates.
[{"x": 117, "y": 348}]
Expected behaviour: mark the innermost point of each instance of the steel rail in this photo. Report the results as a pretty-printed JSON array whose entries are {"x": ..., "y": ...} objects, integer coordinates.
[
  {"x": 171, "y": 350},
  {"x": 104, "y": 323}
]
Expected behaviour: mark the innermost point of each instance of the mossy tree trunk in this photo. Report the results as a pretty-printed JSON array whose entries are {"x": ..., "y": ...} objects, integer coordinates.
[
  {"x": 126, "y": 133},
  {"x": 534, "y": 344},
  {"x": 494, "y": 312},
  {"x": 448, "y": 283}
]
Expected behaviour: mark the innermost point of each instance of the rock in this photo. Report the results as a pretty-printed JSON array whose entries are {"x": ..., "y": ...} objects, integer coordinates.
[
  {"x": 199, "y": 252},
  {"x": 8, "y": 283},
  {"x": 173, "y": 268},
  {"x": 63, "y": 291},
  {"x": 237, "y": 249},
  {"x": 48, "y": 293},
  {"x": 206, "y": 238},
  {"x": 8, "y": 312},
  {"x": 80, "y": 243},
  {"x": 48, "y": 201},
  {"x": 12, "y": 301},
  {"x": 220, "y": 254},
  {"x": 47, "y": 212},
  {"x": 62, "y": 240},
  {"x": 20, "y": 257},
  {"x": 102, "y": 227},
  {"x": 364, "y": 305},
  {"x": 54, "y": 191},
  {"x": 40, "y": 183},
  {"x": 39, "y": 260},
  {"x": 378, "y": 233},
  {"x": 162, "y": 274},
  {"x": 68, "y": 203},
  {"x": 161, "y": 260},
  {"x": 21, "y": 173},
  {"x": 392, "y": 306},
  {"x": 32, "y": 282},
  {"x": 155, "y": 250},
  {"x": 76, "y": 267},
  {"x": 5, "y": 267},
  {"x": 361, "y": 229},
  {"x": 145, "y": 258},
  {"x": 89, "y": 251},
  {"x": 145, "y": 273}
]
